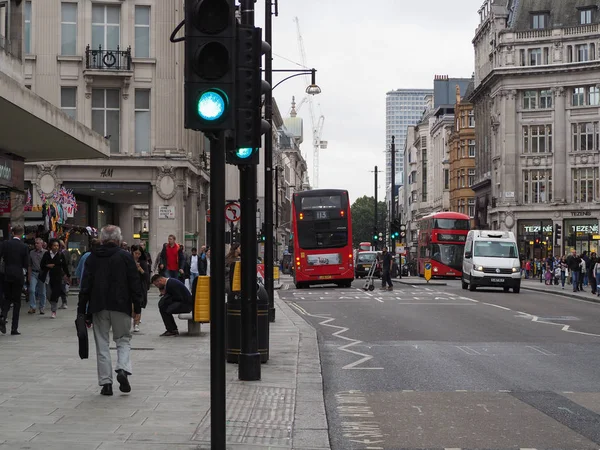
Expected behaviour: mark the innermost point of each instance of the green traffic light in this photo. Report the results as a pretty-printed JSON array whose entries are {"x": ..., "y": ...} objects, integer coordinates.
[
  {"x": 244, "y": 153},
  {"x": 212, "y": 105}
]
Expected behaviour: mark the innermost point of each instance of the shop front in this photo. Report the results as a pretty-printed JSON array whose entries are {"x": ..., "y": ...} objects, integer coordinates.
[
  {"x": 534, "y": 238},
  {"x": 581, "y": 234}
]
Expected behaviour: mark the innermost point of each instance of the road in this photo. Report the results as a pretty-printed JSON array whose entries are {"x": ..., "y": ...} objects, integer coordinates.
[{"x": 439, "y": 367}]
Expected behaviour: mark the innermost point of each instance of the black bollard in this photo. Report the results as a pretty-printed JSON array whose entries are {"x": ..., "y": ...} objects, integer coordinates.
[
  {"x": 233, "y": 327},
  {"x": 263, "y": 323}
]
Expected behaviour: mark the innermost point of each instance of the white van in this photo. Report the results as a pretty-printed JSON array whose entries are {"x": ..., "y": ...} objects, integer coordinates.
[{"x": 491, "y": 259}]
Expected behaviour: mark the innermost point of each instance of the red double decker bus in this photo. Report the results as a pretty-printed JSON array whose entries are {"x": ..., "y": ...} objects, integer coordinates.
[
  {"x": 322, "y": 227},
  {"x": 442, "y": 238}
]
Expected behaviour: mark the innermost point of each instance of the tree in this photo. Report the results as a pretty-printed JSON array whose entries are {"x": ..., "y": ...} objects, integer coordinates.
[{"x": 363, "y": 220}]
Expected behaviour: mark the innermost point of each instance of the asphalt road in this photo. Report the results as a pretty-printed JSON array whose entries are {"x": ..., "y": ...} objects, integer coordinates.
[{"x": 437, "y": 367}]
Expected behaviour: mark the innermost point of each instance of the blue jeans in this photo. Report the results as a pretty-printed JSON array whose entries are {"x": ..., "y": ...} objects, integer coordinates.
[
  {"x": 37, "y": 290},
  {"x": 575, "y": 278},
  {"x": 193, "y": 276},
  {"x": 172, "y": 274},
  {"x": 563, "y": 276}
]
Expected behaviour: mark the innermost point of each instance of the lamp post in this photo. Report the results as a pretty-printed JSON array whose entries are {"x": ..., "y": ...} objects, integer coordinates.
[{"x": 312, "y": 89}]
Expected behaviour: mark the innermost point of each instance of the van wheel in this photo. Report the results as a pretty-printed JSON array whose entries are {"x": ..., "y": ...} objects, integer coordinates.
[
  {"x": 463, "y": 283},
  {"x": 472, "y": 286},
  {"x": 506, "y": 288},
  {"x": 517, "y": 289}
]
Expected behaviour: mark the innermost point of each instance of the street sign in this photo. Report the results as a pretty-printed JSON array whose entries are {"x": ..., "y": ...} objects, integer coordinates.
[
  {"x": 166, "y": 212},
  {"x": 233, "y": 212},
  {"x": 427, "y": 273}
]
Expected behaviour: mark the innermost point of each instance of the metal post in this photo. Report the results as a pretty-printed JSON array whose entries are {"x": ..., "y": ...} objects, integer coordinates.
[
  {"x": 217, "y": 289},
  {"x": 376, "y": 221},
  {"x": 269, "y": 164},
  {"x": 249, "y": 362},
  {"x": 393, "y": 196}
]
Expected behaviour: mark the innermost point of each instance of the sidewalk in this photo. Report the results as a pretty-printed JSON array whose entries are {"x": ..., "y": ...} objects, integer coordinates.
[
  {"x": 533, "y": 284},
  {"x": 50, "y": 399}
]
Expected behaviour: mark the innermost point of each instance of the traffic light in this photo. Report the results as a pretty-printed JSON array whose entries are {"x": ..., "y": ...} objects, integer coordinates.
[
  {"x": 375, "y": 234},
  {"x": 210, "y": 32},
  {"x": 261, "y": 234},
  {"x": 394, "y": 229},
  {"x": 249, "y": 88},
  {"x": 403, "y": 231},
  {"x": 557, "y": 234}
]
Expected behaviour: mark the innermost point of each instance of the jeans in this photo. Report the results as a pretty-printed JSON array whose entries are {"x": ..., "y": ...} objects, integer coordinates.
[
  {"x": 121, "y": 331},
  {"x": 172, "y": 274},
  {"x": 37, "y": 290},
  {"x": 386, "y": 277},
  {"x": 575, "y": 279},
  {"x": 597, "y": 282},
  {"x": 193, "y": 276},
  {"x": 12, "y": 294},
  {"x": 562, "y": 278}
]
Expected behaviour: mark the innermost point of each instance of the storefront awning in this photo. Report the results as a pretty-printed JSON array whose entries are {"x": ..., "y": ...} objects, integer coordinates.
[{"x": 36, "y": 130}]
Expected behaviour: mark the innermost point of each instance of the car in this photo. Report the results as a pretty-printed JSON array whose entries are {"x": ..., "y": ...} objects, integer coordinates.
[{"x": 364, "y": 262}]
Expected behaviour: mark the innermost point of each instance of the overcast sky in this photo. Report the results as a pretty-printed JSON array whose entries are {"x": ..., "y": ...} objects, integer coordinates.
[{"x": 363, "y": 49}]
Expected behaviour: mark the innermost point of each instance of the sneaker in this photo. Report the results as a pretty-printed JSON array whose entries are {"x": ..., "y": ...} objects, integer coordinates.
[
  {"x": 31, "y": 311},
  {"x": 42, "y": 312},
  {"x": 15, "y": 333},
  {"x": 107, "y": 389},
  {"x": 63, "y": 306},
  {"x": 136, "y": 327},
  {"x": 2, "y": 325},
  {"x": 124, "y": 385},
  {"x": 53, "y": 315},
  {"x": 170, "y": 333}
]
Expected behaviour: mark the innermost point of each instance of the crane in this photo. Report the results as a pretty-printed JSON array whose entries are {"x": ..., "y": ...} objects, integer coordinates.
[{"x": 317, "y": 124}]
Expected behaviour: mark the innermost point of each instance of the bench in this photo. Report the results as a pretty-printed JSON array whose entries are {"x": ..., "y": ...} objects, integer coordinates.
[{"x": 193, "y": 327}]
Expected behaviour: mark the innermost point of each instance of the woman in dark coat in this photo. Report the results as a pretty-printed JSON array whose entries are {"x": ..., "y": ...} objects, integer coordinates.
[
  {"x": 144, "y": 270},
  {"x": 55, "y": 272}
]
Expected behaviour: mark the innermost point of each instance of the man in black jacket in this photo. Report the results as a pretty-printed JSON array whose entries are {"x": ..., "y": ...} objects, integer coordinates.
[
  {"x": 16, "y": 259},
  {"x": 110, "y": 293},
  {"x": 573, "y": 263},
  {"x": 176, "y": 299}
]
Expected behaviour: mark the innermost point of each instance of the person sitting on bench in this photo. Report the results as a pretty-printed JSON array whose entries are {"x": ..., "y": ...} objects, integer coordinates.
[{"x": 175, "y": 299}]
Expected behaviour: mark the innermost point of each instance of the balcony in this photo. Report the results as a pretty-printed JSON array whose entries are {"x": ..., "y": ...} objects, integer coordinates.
[{"x": 108, "y": 60}]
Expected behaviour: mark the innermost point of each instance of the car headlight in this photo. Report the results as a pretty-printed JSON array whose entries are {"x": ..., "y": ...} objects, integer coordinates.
[
  {"x": 479, "y": 268},
  {"x": 516, "y": 269}
]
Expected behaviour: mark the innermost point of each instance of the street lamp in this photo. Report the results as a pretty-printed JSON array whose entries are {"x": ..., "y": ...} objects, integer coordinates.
[{"x": 312, "y": 88}]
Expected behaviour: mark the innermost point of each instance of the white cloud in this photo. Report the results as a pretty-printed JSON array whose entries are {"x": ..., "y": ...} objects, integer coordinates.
[{"x": 362, "y": 50}]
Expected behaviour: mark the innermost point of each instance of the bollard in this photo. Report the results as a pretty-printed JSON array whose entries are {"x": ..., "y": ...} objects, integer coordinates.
[
  {"x": 233, "y": 311},
  {"x": 202, "y": 299},
  {"x": 263, "y": 323}
]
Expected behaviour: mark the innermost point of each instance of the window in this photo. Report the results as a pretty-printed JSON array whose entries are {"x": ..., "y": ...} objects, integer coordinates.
[
  {"x": 582, "y": 52},
  {"x": 535, "y": 57},
  {"x": 585, "y": 16},
  {"x": 585, "y": 136},
  {"x": 537, "y": 138},
  {"x": 471, "y": 119},
  {"x": 142, "y": 121},
  {"x": 545, "y": 98},
  {"x": 530, "y": 100},
  {"x": 106, "y": 26},
  {"x": 463, "y": 178},
  {"x": 463, "y": 149},
  {"x": 68, "y": 28},
  {"x": 537, "y": 186},
  {"x": 585, "y": 185},
  {"x": 579, "y": 96},
  {"x": 106, "y": 115},
  {"x": 471, "y": 148},
  {"x": 68, "y": 101},
  {"x": 594, "y": 96},
  {"x": 423, "y": 173},
  {"x": 142, "y": 31},
  {"x": 471, "y": 177},
  {"x": 27, "y": 14},
  {"x": 471, "y": 207},
  {"x": 446, "y": 179},
  {"x": 539, "y": 21}
]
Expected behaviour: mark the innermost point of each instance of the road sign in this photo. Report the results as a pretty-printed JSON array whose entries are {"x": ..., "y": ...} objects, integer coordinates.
[
  {"x": 233, "y": 212},
  {"x": 427, "y": 271},
  {"x": 166, "y": 212}
]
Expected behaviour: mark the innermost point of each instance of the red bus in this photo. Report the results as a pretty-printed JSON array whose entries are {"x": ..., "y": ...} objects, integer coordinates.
[
  {"x": 442, "y": 238},
  {"x": 322, "y": 228}
]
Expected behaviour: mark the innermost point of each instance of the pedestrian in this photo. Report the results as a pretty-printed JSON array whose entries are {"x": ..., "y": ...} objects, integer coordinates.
[
  {"x": 597, "y": 275},
  {"x": 527, "y": 269},
  {"x": 195, "y": 266},
  {"x": 79, "y": 271},
  {"x": 15, "y": 255},
  {"x": 582, "y": 279},
  {"x": 573, "y": 263},
  {"x": 54, "y": 269},
  {"x": 37, "y": 288},
  {"x": 66, "y": 282},
  {"x": 208, "y": 262},
  {"x": 125, "y": 246},
  {"x": 175, "y": 299},
  {"x": 110, "y": 294},
  {"x": 592, "y": 273},
  {"x": 139, "y": 256},
  {"x": 232, "y": 256},
  {"x": 386, "y": 269},
  {"x": 548, "y": 274},
  {"x": 172, "y": 259}
]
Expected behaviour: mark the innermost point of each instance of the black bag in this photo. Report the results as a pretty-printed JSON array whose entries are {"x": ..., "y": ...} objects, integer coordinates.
[{"x": 82, "y": 336}]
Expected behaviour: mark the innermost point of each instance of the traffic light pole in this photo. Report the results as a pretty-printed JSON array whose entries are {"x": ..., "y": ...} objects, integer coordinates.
[
  {"x": 393, "y": 195},
  {"x": 249, "y": 360},
  {"x": 269, "y": 244},
  {"x": 376, "y": 227},
  {"x": 217, "y": 289}
]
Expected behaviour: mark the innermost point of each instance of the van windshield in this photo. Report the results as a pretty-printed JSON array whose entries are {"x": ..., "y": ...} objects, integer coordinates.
[{"x": 495, "y": 249}]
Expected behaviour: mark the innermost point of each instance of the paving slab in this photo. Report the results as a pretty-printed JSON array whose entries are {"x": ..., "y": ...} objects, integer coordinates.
[{"x": 50, "y": 399}]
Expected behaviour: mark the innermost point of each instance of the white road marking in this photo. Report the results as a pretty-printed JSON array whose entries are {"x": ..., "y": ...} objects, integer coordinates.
[
  {"x": 379, "y": 299},
  {"x": 484, "y": 407},
  {"x": 564, "y": 328},
  {"x": 420, "y": 409},
  {"x": 541, "y": 350},
  {"x": 562, "y": 408},
  {"x": 468, "y": 299},
  {"x": 498, "y": 306},
  {"x": 468, "y": 350}
]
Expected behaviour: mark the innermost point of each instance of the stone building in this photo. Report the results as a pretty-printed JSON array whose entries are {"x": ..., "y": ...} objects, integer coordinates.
[
  {"x": 537, "y": 113},
  {"x": 461, "y": 144},
  {"x": 112, "y": 67}
]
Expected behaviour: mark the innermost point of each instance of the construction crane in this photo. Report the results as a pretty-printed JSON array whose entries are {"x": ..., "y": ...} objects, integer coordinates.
[{"x": 317, "y": 124}]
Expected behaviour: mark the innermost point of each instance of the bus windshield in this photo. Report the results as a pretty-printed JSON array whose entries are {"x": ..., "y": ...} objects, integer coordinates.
[
  {"x": 495, "y": 249},
  {"x": 451, "y": 224},
  {"x": 450, "y": 255},
  {"x": 324, "y": 202}
]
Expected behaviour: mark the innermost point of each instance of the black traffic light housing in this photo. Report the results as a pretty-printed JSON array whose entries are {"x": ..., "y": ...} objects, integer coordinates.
[
  {"x": 557, "y": 234},
  {"x": 375, "y": 235},
  {"x": 262, "y": 235},
  {"x": 395, "y": 229},
  {"x": 209, "y": 75}
]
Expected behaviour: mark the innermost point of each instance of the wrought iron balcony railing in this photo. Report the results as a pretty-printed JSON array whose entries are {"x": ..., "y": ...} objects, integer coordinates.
[{"x": 101, "y": 59}]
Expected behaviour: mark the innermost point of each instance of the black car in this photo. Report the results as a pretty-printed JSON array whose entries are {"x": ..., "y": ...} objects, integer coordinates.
[{"x": 364, "y": 262}]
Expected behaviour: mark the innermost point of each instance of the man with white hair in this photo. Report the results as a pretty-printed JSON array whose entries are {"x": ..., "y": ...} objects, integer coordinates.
[{"x": 110, "y": 293}]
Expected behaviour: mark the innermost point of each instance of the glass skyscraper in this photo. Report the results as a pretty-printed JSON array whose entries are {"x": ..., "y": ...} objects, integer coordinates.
[{"x": 403, "y": 107}]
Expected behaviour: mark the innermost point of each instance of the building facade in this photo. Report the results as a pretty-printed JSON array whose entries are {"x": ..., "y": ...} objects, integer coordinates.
[
  {"x": 461, "y": 143},
  {"x": 537, "y": 114},
  {"x": 31, "y": 129},
  {"x": 111, "y": 66}
]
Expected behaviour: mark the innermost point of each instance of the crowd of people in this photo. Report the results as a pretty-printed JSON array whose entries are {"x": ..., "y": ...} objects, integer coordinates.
[{"x": 579, "y": 271}]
